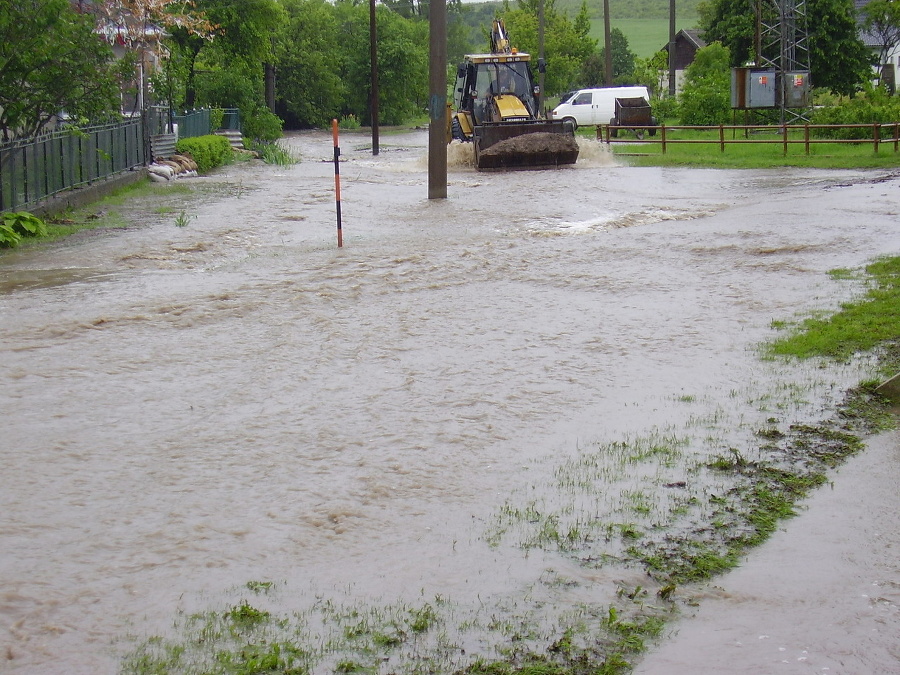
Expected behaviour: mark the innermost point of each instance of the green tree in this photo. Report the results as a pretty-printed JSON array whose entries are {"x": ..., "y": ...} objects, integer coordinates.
[
  {"x": 402, "y": 63},
  {"x": 458, "y": 44},
  {"x": 309, "y": 60},
  {"x": 653, "y": 72},
  {"x": 52, "y": 61},
  {"x": 882, "y": 20},
  {"x": 241, "y": 30},
  {"x": 622, "y": 59},
  {"x": 732, "y": 23},
  {"x": 706, "y": 95},
  {"x": 839, "y": 61},
  {"x": 138, "y": 23},
  {"x": 593, "y": 70},
  {"x": 324, "y": 66},
  {"x": 566, "y": 45}
]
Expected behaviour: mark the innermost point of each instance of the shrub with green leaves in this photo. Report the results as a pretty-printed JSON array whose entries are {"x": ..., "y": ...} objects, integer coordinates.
[
  {"x": 208, "y": 151},
  {"x": 216, "y": 115},
  {"x": 706, "y": 97},
  {"x": 665, "y": 108},
  {"x": 874, "y": 107},
  {"x": 260, "y": 125},
  {"x": 15, "y": 225},
  {"x": 349, "y": 122}
]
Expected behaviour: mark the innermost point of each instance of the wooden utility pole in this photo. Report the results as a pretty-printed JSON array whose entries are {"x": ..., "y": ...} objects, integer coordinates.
[
  {"x": 671, "y": 47},
  {"x": 606, "y": 41},
  {"x": 373, "y": 55},
  {"x": 541, "y": 62},
  {"x": 437, "y": 100}
]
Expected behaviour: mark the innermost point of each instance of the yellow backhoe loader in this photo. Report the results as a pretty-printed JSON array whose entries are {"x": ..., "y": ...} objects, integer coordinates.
[{"x": 496, "y": 103}]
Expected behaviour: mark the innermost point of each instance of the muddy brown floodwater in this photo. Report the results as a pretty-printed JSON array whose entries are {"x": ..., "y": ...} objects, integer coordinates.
[{"x": 189, "y": 409}]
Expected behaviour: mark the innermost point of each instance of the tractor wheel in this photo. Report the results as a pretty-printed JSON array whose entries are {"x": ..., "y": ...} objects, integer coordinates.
[{"x": 457, "y": 130}]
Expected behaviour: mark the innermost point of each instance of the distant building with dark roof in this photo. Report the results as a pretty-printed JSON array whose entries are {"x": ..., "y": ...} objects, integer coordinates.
[{"x": 687, "y": 42}]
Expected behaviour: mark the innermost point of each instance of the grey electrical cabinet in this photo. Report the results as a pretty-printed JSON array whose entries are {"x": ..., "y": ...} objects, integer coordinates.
[
  {"x": 753, "y": 88},
  {"x": 796, "y": 89}
]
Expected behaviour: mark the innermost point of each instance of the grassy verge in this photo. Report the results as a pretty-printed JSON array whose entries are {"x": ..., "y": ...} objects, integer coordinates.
[
  {"x": 751, "y": 155},
  {"x": 657, "y": 502},
  {"x": 860, "y": 326},
  {"x": 108, "y": 212}
]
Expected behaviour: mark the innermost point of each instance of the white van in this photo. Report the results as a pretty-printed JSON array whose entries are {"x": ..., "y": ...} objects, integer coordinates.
[{"x": 595, "y": 106}]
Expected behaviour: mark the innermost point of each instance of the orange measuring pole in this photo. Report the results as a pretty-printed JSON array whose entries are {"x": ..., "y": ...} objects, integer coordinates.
[{"x": 337, "y": 181}]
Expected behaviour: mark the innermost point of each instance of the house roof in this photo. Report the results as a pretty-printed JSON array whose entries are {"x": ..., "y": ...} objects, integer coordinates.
[
  {"x": 867, "y": 37},
  {"x": 689, "y": 35}
]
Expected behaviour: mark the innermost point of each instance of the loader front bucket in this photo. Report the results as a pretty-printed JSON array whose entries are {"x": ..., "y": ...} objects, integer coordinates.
[{"x": 510, "y": 145}]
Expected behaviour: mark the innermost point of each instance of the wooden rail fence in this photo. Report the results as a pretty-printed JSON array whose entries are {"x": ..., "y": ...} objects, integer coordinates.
[{"x": 877, "y": 134}]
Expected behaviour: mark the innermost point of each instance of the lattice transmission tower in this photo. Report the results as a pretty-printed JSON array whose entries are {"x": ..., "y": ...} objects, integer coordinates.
[{"x": 782, "y": 44}]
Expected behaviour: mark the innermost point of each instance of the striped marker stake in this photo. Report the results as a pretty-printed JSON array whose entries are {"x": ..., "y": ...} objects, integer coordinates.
[{"x": 337, "y": 181}]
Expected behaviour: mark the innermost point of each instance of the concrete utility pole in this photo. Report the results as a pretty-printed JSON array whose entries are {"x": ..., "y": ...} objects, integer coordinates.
[{"x": 437, "y": 101}]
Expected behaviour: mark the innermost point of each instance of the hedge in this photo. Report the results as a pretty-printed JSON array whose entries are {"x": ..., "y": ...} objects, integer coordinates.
[{"x": 208, "y": 151}]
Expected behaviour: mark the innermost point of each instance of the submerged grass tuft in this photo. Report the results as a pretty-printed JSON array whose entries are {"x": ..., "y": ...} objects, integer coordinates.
[{"x": 273, "y": 153}]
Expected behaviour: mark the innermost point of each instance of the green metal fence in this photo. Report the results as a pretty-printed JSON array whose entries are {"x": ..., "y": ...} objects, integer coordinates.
[
  {"x": 34, "y": 169},
  {"x": 191, "y": 123},
  {"x": 194, "y": 123}
]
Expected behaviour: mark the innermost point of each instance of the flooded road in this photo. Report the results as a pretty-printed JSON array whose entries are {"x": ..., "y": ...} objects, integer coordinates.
[{"x": 189, "y": 409}]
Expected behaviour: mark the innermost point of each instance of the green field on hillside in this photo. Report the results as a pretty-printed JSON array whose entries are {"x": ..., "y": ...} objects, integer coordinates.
[{"x": 645, "y": 36}]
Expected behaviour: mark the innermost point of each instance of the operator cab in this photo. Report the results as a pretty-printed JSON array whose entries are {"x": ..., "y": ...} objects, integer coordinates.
[{"x": 484, "y": 77}]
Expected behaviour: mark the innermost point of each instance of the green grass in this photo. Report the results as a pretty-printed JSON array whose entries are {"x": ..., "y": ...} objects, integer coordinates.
[
  {"x": 273, "y": 153},
  {"x": 859, "y": 326},
  {"x": 750, "y": 155},
  {"x": 107, "y": 213}
]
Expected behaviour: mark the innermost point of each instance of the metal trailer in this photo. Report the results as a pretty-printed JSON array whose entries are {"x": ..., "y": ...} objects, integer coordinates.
[{"x": 635, "y": 114}]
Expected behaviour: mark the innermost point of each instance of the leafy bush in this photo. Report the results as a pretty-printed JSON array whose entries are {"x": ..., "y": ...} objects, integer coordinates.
[
  {"x": 874, "y": 107},
  {"x": 349, "y": 122},
  {"x": 208, "y": 151},
  {"x": 216, "y": 115},
  {"x": 18, "y": 224},
  {"x": 665, "y": 108},
  {"x": 260, "y": 124},
  {"x": 706, "y": 97}
]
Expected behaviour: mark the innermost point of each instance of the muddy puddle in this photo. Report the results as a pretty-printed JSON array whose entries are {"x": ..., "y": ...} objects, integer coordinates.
[{"x": 461, "y": 416}]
